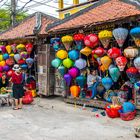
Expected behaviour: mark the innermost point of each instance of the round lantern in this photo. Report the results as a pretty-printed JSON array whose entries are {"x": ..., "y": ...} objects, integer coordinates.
[
  {"x": 74, "y": 72},
  {"x": 131, "y": 52},
  {"x": 55, "y": 42},
  {"x": 29, "y": 62},
  {"x": 29, "y": 48},
  {"x": 99, "y": 51},
  {"x": 17, "y": 57},
  {"x": 75, "y": 91},
  {"x": 105, "y": 37},
  {"x": 121, "y": 62},
  {"x": 67, "y": 78},
  {"x": 56, "y": 62},
  {"x": 106, "y": 61},
  {"x": 21, "y": 61},
  {"x": 23, "y": 55},
  {"x": 79, "y": 40},
  {"x": 1, "y": 69},
  {"x": 73, "y": 54},
  {"x": 6, "y": 68},
  {"x": 2, "y": 63},
  {"x": 91, "y": 40},
  {"x": 61, "y": 54},
  {"x": 80, "y": 63},
  {"x": 1, "y": 57},
  {"x": 62, "y": 70},
  {"x": 67, "y": 41},
  {"x": 9, "y": 73},
  {"x": 137, "y": 63},
  {"x": 107, "y": 82},
  {"x": 5, "y": 56},
  {"x": 11, "y": 55},
  {"x": 114, "y": 52},
  {"x": 86, "y": 51},
  {"x": 68, "y": 63},
  {"x": 132, "y": 74},
  {"x": 8, "y": 49},
  {"x": 10, "y": 61},
  {"x": 20, "y": 47},
  {"x": 24, "y": 66},
  {"x": 3, "y": 49},
  {"x": 81, "y": 81}
]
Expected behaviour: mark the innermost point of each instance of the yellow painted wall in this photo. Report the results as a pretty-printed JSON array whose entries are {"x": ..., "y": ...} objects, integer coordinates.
[{"x": 72, "y": 10}]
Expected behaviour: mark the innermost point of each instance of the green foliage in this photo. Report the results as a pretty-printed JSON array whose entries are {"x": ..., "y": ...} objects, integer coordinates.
[{"x": 5, "y": 18}]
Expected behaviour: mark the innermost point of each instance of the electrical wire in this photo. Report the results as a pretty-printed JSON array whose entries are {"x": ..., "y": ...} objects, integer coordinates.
[{"x": 4, "y": 4}]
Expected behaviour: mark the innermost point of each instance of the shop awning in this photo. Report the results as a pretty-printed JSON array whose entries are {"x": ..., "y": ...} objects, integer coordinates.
[
  {"x": 100, "y": 12},
  {"x": 32, "y": 25}
]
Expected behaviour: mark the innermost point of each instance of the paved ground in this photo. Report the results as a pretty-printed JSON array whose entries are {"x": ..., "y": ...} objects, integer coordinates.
[{"x": 52, "y": 119}]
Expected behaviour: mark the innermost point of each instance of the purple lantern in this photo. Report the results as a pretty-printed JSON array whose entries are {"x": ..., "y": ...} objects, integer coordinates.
[
  {"x": 3, "y": 49},
  {"x": 6, "y": 68},
  {"x": 74, "y": 72},
  {"x": 68, "y": 79}
]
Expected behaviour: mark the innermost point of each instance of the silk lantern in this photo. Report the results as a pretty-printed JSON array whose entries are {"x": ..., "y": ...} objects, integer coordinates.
[
  {"x": 131, "y": 52},
  {"x": 79, "y": 40},
  {"x": 55, "y": 42},
  {"x": 137, "y": 63},
  {"x": 1, "y": 69},
  {"x": 81, "y": 81},
  {"x": 10, "y": 73},
  {"x": 75, "y": 91},
  {"x": 12, "y": 55},
  {"x": 91, "y": 40},
  {"x": 29, "y": 62},
  {"x": 23, "y": 55},
  {"x": 6, "y": 68},
  {"x": 1, "y": 57},
  {"x": 105, "y": 37},
  {"x": 67, "y": 41},
  {"x": 61, "y": 54},
  {"x": 10, "y": 61},
  {"x": 114, "y": 52},
  {"x": 114, "y": 73},
  {"x": 132, "y": 73},
  {"x": 29, "y": 48},
  {"x": 2, "y": 63},
  {"x": 56, "y": 62},
  {"x": 17, "y": 57},
  {"x": 135, "y": 33},
  {"x": 73, "y": 54},
  {"x": 86, "y": 51},
  {"x": 68, "y": 63},
  {"x": 21, "y": 61},
  {"x": 62, "y": 70},
  {"x": 24, "y": 66},
  {"x": 67, "y": 78},
  {"x": 99, "y": 51},
  {"x": 106, "y": 61},
  {"x": 3, "y": 49},
  {"x": 20, "y": 47},
  {"x": 120, "y": 35},
  {"x": 74, "y": 72},
  {"x": 5, "y": 56},
  {"x": 80, "y": 63},
  {"x": 107, "y": 82},
  {"x": 8, "y": 49},
  {"x": 13, "y": 46},
  {"x": 121, "y": 62}
]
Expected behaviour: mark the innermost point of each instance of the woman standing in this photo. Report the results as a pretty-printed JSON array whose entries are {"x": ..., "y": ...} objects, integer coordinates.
[{"x": 18, "y": 91}]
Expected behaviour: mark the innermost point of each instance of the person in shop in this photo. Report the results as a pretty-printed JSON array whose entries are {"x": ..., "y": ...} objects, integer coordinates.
[
  {"x": 4, "y": 83},
  {"x": 18, "y": 86},
  {"x": 93, "y": 81}
]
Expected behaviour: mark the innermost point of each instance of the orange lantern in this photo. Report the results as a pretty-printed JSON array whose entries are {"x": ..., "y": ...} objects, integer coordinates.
[
  {"x": 75, "y": 90},
  {"x": 106, "y": 61},
  {"x": 86, "y": 51}
]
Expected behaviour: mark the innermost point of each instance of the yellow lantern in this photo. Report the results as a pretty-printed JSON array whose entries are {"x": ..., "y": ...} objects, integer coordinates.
[
  {"x": 34, "y": 94},
  {"x": 1, "y": 57},
  {"x": 2, "y": 63},
  {"x": 61, "y": 54},
  {"x": 106, "y": 61},
  {"x": 20, "y": 47},
  {"x": 67, "y": 41},
  {"x": 11, "y": 55},
  {"x": 131, "y": 52},
  {"x": 8, "y": 49},
  {"x": 86, "y": 51}
]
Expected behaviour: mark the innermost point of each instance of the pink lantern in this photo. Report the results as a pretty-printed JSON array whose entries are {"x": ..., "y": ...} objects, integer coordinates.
[
  {"x": 10, "y": 61},
  {"x": 3, "y": 49},
  {"x": 74, "y": 72},
  {"x": 99, "y": 52},
  {"x": 121, "y": 62},
  {"x": 91, "y": 40},
  {"x": 9, "y": 73},
  {"x": 114, "y": 52},
  {"x": 1, "y": 69}
]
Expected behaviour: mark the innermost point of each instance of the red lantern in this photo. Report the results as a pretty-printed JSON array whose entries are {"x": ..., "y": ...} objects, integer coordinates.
[
  {"x": 114, "y": 52},
  {"x": 121, "y": 62},
  {"x": 29, "y": 48},
  {"x": 78, "y": 37},
  {"x": 91, "y": 40},
  {"x": 21, "y": 61},
  {"x": 10, "y": 61},
  {"x": 28, "y": 98},
  {"x": 99, "y": 52},
  {"x": 9, "y": 73}
]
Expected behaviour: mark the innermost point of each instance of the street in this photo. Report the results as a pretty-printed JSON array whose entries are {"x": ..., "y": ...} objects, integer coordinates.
[{"x": 52, "y": 119}]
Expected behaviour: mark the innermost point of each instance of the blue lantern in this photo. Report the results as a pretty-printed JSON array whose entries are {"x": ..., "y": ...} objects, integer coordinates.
[
  {"x": 5, "y": 56},
  {"x": 62, "y": 70},
  {"x": 55, "y": 42},
  {"x": 81, "y": 81},
  {"x": 73, "y": 54},
  {"x": 107, "y": 82}
]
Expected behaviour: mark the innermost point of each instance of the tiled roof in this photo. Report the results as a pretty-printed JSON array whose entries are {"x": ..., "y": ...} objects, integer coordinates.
[
  {"x": 100, "y": 12},
  {"x": 26, "y": 27}
]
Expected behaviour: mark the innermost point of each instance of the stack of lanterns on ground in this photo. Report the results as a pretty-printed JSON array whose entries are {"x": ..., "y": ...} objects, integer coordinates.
[
  {"x": 115, "y": 59},
  {"x": 15, "y": 54}
]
